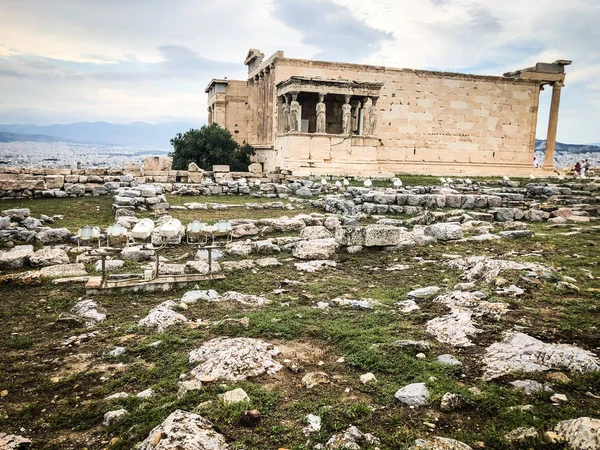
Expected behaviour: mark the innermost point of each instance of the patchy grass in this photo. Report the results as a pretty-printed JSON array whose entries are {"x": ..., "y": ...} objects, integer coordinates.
[
  {"x": 77, "y": 212},
  {"x": 57, "y": 393}
]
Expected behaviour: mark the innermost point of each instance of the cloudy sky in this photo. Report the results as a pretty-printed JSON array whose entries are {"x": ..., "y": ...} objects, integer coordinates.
[{"x": 63, "y": 61}]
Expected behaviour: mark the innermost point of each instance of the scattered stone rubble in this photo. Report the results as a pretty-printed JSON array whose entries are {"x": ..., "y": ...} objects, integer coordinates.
[
  {"x": 439, "y": 443},
  {"x": 457, "y": 327},
  {"x": 352, "y": 439}
]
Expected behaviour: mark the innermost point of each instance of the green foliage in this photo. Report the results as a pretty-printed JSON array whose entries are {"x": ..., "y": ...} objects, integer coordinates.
[{"x": 208, "y": 146}]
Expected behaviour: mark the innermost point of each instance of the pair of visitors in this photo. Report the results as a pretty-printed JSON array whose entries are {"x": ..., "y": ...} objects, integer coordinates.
[{"x": 584, "y": 166}]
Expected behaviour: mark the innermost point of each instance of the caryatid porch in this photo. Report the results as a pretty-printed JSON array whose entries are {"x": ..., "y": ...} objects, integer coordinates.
[{"x": 327, "y": 106}]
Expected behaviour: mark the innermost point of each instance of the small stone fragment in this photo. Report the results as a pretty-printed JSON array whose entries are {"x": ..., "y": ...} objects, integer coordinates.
[
  {"x": 313, "y": 379},
  {"x": 367, "y": 377},
  {"x": 235, "y": 396},
  {"x": 415, "y": 394}
]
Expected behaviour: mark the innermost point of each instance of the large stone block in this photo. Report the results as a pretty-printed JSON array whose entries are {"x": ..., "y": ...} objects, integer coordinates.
[
  {"x": 315, "y": 249},
  {"x": 383, "y": 235},
  {"x": 255, "y": 168},
  {"x": 157, "y": 163},
  {"x": 350, "y": 236},
  {"x": 54, "y": 181}
]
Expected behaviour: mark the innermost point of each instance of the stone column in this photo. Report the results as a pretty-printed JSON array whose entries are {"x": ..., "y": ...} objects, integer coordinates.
[
  {"x": 347, "y": 117},
  {"x": 294, "y": 114},
  {"x": 210, "y": 119},
  {"x": 321, "y": 126},
  {"x": 552, "y": 125},
  {"x": 261, "y": 107}
]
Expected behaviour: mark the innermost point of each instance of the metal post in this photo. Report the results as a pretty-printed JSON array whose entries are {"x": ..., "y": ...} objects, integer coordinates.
[{"x": 103, "y": 257}]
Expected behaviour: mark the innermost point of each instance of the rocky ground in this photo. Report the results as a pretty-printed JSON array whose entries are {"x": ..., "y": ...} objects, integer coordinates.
[{"x": 387, "y": 331}]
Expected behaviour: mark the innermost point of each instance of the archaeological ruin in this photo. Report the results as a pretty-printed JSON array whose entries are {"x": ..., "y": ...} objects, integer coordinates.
[{"x": 327, "y": 118}]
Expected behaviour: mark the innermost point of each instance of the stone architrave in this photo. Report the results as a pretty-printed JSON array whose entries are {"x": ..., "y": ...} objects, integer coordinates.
[
  {"x": 346, "y": 116},
  {"x": 372, "y": 116},
  {"x": 294, "y": 114},
  {"x": 321, "y": 116},
  {"x": 286, "y": 114}
]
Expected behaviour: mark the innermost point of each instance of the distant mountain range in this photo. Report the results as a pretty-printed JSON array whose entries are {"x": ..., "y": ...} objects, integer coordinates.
[
  {"x": 15, "y": 137},
  {"x": 569, "y": 148},
  {"x": 135, "y": 134},
  {"x": 150, "y": 136}
]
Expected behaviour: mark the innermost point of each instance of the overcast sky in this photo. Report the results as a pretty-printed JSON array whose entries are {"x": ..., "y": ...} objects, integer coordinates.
[{"x": 120, "y": 61}]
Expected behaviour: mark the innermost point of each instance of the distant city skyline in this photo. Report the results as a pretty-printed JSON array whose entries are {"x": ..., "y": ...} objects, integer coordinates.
[{"x": 68, "y": 61}]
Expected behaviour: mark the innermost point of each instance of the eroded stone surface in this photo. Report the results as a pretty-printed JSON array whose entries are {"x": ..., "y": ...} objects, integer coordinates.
[
  {"x": 474, "y": 301},
  {"x": 520, "y": 352},
  {"x": 186, "y": 431},
  {"x": 17, "y": 257},
  {"x": 581, "y": 434},
  {"x": 483, "y": 268},
  {"x": 49, "y": 257},
  {"x": 193, "y": 296},
  {"x": 89, "y": 311},
  {"x": 424, "y": 292},
  {"x": 351, "y": 439},
  {"x": 245, "y": 299},
  {"x": 454, "y": 328},
  {"x": 162, "y": 317},
  {"x": 315, "y": 249},
  {"x": 63, "y": 270},
  {"x": 234, "y": 359},
  {"x": 439, "y": 443},
  {"x": 13, "y": 442},
  {"x": 314, "y": 266}
]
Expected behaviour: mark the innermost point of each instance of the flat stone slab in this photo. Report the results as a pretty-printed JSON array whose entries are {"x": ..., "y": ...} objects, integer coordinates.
[
  {"x": 63, "y": 270},
  {"x": 520, "y": 352},
  {"x": 483, "y": 268},
  {"x": 455, "y": 328}
]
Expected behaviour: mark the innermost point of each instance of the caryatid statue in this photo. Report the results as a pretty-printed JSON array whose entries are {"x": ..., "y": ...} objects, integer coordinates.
[
  {"x": 373, "y": 116},
  {"x": 346, "y": 116},
  {"x": 356, "y": 116},
  {"x": 286, "y": 114},
  {"x": 294, "y": 114},
  {"x": 321, "y": 116}
]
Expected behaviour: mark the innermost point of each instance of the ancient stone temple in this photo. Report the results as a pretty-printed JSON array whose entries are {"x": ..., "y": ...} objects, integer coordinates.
[{"x": 315, "y": 117}]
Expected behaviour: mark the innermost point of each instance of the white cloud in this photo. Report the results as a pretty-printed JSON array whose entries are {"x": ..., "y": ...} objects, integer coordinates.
[{"x": 148, "y": 59}]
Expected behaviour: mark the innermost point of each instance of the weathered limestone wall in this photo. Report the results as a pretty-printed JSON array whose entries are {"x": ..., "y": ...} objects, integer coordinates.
[
  {"x": 430, "y": 122},
  {"x": 312, "y": 154},
  {"x": 262, "y": 103},
  {"x": 236, "y": 110},
  {"x": 42, "y": 182}
]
